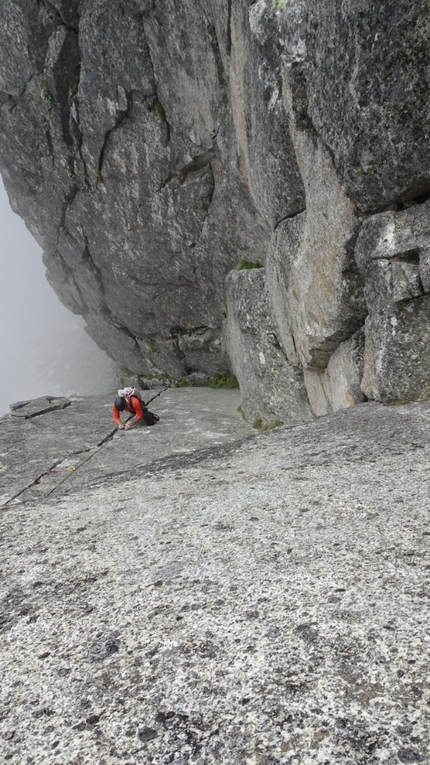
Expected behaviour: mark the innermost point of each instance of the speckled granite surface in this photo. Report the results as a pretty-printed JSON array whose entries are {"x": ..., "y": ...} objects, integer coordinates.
[{"x": 257, "y": 603}]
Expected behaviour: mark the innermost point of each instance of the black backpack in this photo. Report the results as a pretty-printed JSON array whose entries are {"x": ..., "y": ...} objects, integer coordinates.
[{"x": 149, "y": 417}]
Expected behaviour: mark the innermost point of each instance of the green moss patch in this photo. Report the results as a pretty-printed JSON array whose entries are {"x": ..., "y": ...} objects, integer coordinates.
[{"x": 245, "y": 265}]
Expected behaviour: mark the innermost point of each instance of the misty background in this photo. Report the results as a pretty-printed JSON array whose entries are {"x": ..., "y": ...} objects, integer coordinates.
[{"x": 44, "y": 349}]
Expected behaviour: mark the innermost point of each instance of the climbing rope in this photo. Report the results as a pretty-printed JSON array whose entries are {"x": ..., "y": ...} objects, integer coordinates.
[
  {"x": 72, "y": 468},
  {"x": 69, "y": 469}
]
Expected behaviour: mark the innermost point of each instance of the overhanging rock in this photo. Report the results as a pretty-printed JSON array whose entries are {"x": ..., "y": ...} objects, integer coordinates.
[{"x": 266, "y": 132}]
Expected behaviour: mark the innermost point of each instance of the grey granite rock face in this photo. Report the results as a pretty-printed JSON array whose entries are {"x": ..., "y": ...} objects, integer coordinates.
[
  {"x": 313, "y": 280},
  {"x": 151, "y": 147},
  {"x": 267, "y": 161},
  {"x": 48, "y": 443},
  {"x": 393, "y": 254},
  {"x": 120, "y": 154},
  {"x": 339, "y": 385},
  {"x": 258, "y": 601},
  {"x": 368, "y": 80},
  {"x": 271, "y": 386}
]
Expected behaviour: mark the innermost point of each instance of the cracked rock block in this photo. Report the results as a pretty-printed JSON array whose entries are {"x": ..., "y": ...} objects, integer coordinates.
[
  {"x": 271, "y": 388},
  {"x": 315, "y": 289},
  {"x": 162, "y": 357},
  {"x": 110, "y": 34},
  {"x": 338, "y": 387},
  {"x": 393, "y": 255}
]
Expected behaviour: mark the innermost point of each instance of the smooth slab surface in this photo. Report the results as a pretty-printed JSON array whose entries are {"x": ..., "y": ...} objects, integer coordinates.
[{"x": 259, "y": 601}]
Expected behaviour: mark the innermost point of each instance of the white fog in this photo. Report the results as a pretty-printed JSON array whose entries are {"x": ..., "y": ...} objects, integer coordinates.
[{"x": 43, "y": 347}]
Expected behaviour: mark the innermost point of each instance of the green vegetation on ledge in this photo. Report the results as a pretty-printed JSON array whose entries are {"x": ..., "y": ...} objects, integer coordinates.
[
  {"x": 245, "y": 265},
  {"x": 258, "y": 424},
  {"x": 224, "y": 380}
]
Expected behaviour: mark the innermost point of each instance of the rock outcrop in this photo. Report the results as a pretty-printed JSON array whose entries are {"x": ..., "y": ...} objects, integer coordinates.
[{"x": 152, "y": 147}]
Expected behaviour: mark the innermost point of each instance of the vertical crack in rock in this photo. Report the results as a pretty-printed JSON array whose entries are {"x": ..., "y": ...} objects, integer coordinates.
[
  {"x": 228, "y": 46},
  {"x": 209, "y": 198},
  {"x": 354, "y": 284},
  {"x": 62, "y": 72},
  {"x": 154, "y": 105},
  {"x": 108, "y": 316},
  {"x": 214, "y": 42},
  {"x": 89, "y": 261},
  {"x": 74, "y": 118},
  {"x": 121, "y": 116},
  {"x": 155, "y": 101}
]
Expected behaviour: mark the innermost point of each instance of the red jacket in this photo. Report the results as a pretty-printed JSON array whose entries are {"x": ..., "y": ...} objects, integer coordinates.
[{"x": 133, "y": 405}]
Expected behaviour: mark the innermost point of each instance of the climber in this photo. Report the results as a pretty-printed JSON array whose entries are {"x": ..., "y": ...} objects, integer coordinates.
[{"x": 133, "y": 404}]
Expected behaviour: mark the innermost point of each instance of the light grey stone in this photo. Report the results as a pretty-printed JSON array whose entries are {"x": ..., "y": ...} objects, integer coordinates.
[
  {"x": 38, "y": 406},
  {"x": 338, "y": 387},
  {"x": 367, "y": 80},
  {"x": 271, "y": 388},
  {"x": 314, "y": 286},
  {"x": 239, "y": 601},
  {"x": 392, "y": 253}
]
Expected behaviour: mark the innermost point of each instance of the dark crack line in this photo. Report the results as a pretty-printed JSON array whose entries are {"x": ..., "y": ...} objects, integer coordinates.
[
  {"x": 289, "y": 217},
  {"x": 25, "y": 86},
  {"x": 12, "y": 100},
  {"x": 174, "y": 461},
  {"x": 28, "y": 486},
  {"x": 100, "y": 446},
  {"x": 88, "y": 258},
  {"x": 50, "y": 408},
  {"x": 223, "y": 76},
  {"x": 154, "y": 79},
  {"x": 122, "y": 116},
  {"x": 229, "y": 36},
  {"x": 109, "y": 317},
  {"x": 208, "y": 207}
]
